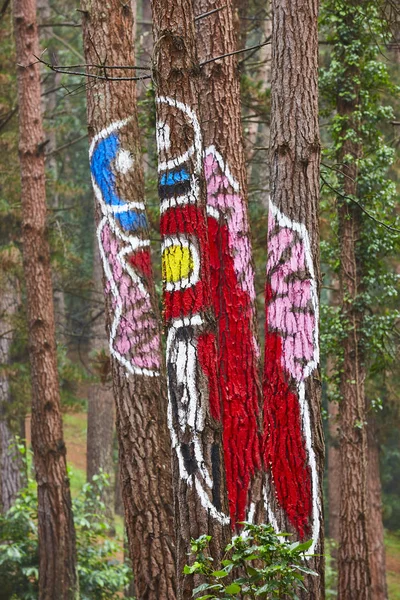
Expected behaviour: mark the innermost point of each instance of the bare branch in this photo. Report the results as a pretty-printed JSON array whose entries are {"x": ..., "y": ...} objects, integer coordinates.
[
  {"x": 210, "y": 12},
  {"x": 206, "y": 62},
  {"x": 67, "y": 145}
]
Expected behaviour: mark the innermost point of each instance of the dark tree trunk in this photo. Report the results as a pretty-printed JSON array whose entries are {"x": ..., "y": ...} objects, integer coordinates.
[
  {"x": 353, "y": 556},
  {"x": 11, "y": 464},
  {"x": 194, "y": 401},
  {"x": 100, "y": 416},
  {"x": 334, "y": 480},
  {"x": 131, "y": 314},
  {"x": 232, "y": 273},
  {"x": 57, "y": 557},
  {"x": 293, "y": 436}
]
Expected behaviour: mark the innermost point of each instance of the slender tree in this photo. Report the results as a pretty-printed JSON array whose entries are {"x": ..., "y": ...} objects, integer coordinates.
[
  {"x": 194, "y": 409},
  {"x": 131, "y": 312},
  {"x": 11, "y": 467},
  {"x": 230, "y": 255},
  {"x": 57, "y": 556},
  {"x": 100, "y": 415},
  {"x": 293, "y": 437}
]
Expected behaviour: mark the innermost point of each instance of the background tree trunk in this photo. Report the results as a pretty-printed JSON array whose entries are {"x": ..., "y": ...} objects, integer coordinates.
[
  {"x": 194, "y": 402},
  {"x": 293, "y": 436},
  {"x": 57, "y": 557},
  {"x": 376, "y": 542},
  {"x": 11, "y": 464},
  {"x": 232, "y": 273},
  {"x": 131, "y": 315},
  {"x": 100, "y": 415},
  {"x": 334, "y": 485},
  {"x": 353, "y": 558}
]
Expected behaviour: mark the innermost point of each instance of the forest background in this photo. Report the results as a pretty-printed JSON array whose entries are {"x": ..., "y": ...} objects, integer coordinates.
[{"x": 83, "y": 362}]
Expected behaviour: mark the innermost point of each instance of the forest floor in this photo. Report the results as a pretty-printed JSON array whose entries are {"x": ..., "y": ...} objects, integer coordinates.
[{"x": 75, "y": 438}]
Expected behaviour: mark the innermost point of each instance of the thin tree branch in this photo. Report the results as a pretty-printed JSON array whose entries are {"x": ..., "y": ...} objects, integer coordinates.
[
  {"x": 79, "y": 65},
  {"x": 364, "y": 210},
  {"x": 59, "y": 25},
  {"x": 90, "y": 75},
  {"x": 210, "y": 12},
  {"x": 206, "y": 62},
  {"x": 67, "y": 145},
  {"x": 4, "y": 8}
]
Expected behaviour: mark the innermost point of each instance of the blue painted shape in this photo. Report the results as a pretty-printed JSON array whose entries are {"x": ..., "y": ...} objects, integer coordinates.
[
  {"x": 174, "y": 177},
  {"x": 104, "y": 154}
]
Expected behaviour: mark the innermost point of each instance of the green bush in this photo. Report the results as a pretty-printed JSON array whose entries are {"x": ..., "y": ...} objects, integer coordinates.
[
  {"x": 258, "y": 564},
  {"x": 101, "y": 575}
]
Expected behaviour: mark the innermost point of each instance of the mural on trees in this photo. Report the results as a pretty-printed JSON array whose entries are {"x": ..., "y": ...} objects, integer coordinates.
[
  {"x": 191, "y": 348},
  {"x": 125, "y": 253},
  {"x": 232, "y": 285},
  {"x": 291, "y": 356}
]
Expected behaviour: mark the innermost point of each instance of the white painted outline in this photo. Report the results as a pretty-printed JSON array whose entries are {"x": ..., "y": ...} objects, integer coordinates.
[
  {"x": 284, "y": 222},
  {"x": 184, "y": 242},
  {"x": 133, "y": 243}
]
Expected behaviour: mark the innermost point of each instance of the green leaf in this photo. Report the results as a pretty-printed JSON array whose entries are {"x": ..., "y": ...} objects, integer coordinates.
[
  {"x": 219, "y": 574},
  {"x": 233, "y": 588}
]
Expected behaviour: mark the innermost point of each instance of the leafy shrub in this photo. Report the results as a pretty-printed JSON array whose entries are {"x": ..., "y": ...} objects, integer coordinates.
[
  {"x": 101, "y": 575},
  {"x": 258, "y": 564}
]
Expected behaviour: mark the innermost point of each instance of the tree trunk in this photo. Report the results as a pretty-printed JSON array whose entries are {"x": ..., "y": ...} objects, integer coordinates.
[
  {"x": 11, "y": 464},
  {"x": 131, "y": 314},
  {"x": 100, "y": 416},
  {"x": 57, "y": 556},
  {"x": 293, "y": 436},
  {"x": 377, "y": 561},
  {"x": 353, "y": 564},
  {"x": 194, "y": 401},
  {"x": 232, "y": 273},
  {"x": 334, "y": 479}
]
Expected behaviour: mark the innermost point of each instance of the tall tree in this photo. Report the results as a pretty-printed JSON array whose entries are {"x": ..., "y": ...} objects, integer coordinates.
[
  {"x": 11, "y": 467},
  {"x": 194, "y": 409},
  {"x": 365, "y": 196},
  {"x": 230, "y": 255},
  {"x": 131, "y": 307},
  {"x": 57, "y": 555},
  {"x": 100, "y": 415},
  {"x": 293, "y": 436}
]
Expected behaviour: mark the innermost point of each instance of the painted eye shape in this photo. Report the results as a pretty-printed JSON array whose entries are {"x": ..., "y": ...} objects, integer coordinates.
[{"x": 180, "y": 263}]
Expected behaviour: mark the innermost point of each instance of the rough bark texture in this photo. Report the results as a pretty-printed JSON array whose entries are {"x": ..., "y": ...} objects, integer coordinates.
[
  {"x": 353, "y": 557},
  {"x": 293, "y": 436},
  {"x": 376, "y": 545},
  {"x": 100, "y": 416},
  {"x": 194, "y": 401},
  {"x": 132, "y": 319},
  {"x": 11, "y": 465},
  {"x": 57, "y": 573},
  {"x": 232, "y": 273}
]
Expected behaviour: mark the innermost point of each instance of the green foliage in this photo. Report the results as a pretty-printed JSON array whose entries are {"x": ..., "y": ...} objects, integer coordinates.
[
  {"x": 101, "y": 575},
  {"x": 257, "y": 564}
]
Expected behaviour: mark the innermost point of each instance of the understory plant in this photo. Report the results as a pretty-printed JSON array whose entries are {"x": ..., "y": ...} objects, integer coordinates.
[
  {"x": 258, "y": 564},
  {"x": 102, "y": 576}
]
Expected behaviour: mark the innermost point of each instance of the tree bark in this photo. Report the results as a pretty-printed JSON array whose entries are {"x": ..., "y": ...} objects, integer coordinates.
[
  {"x": 11, "y": 464},
  {"x": 100, "y": 415},
  {"x": 376, "y": 542},
  {"x": 232, "y": 272},
  {"x": 57, "y": 556},
  {"x": 131, "y": 314},
  {"x": 293, "y": 436},
  {"x": 353, "y": 556},
  {"x": 194, "y": 402},
  {"x": 334, "y": 479}
]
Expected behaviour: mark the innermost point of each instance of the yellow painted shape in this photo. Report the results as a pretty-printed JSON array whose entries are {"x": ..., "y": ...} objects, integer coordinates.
[{"x": 177, "y": 263}]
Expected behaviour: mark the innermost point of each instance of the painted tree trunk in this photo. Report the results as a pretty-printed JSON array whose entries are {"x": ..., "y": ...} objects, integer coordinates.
[
  {"x": 231, "y": 268},
  {"x": 293, "y": 436},
  {"x": 11, "y": 466},
  {"x": 57, "y": 555},
  {"x": 376, "y": 543},
  {"x": 131, "y": 313},
  {"x": 194, "y": 409},
  {"x": 353, "y": 556},
  {"x": 100, "y": 414}
]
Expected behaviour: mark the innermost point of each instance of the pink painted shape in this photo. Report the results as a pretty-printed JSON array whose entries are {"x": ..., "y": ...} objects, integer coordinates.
[
  {"x": 232, "y": 208},
  {"x": 136, "y": 311},
  {"x": 290, "y": 311}
]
